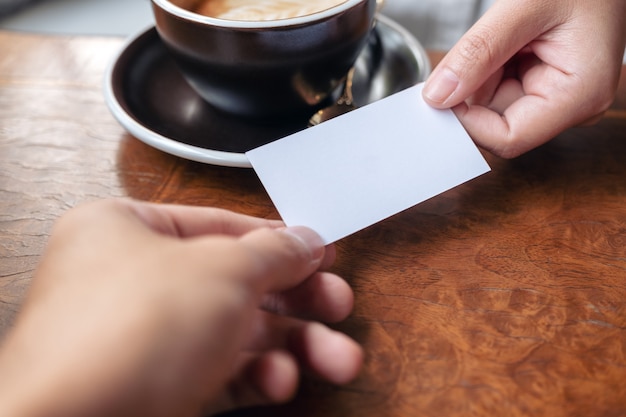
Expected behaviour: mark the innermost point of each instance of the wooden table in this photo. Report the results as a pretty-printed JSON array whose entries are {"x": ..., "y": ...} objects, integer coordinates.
[{"x": 505, "y": 296}]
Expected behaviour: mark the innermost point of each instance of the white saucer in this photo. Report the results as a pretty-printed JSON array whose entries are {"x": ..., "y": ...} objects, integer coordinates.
[{"x": 148, "y": 96}]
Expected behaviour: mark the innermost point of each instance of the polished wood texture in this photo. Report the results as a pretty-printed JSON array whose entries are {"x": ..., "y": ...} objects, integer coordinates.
[{"x": 504, "y": 296}]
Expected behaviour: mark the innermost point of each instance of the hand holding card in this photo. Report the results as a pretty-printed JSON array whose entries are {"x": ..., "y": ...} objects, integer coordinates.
[{"x": 360, "y": 168}]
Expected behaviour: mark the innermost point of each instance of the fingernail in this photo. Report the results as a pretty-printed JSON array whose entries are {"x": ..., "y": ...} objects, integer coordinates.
[
  {"x": 441, "y": 86},
  {"x": 309, "y": 238}
]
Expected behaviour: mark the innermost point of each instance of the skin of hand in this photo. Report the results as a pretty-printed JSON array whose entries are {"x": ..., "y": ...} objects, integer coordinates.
[
  {"x": 160, "y": 310},
  {"x": 527, "y": 70}
]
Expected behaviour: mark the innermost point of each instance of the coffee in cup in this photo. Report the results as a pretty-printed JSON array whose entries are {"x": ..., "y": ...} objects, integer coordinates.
[
  {"x": 277, "y": 59},
  {"x": 261, "y": 10}
]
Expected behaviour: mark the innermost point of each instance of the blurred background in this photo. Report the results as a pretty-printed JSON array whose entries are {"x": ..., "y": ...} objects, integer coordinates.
[
  {"x": 437, "y": 24},
  {"x": 80, "y": 17}
]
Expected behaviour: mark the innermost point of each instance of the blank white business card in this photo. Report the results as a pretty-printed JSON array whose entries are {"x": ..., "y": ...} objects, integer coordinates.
[{"x": 362, "y": 167}]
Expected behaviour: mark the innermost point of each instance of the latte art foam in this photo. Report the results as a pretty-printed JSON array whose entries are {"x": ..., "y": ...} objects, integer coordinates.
[{"x": 262, "y": 10}]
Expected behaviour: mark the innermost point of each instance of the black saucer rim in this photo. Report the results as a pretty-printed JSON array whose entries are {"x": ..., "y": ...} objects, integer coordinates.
[{"x": 117, "y": 100}]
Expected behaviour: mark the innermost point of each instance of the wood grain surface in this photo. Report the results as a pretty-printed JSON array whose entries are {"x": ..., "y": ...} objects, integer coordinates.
[{"x": 504, "y": 296}]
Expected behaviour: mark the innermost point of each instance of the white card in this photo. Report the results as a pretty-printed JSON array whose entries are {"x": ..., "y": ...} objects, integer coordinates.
[{"x": 359, "y": 168}]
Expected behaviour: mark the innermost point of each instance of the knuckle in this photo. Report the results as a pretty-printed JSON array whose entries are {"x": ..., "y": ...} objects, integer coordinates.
[
  {"x": 509, "y": 152},
  {"x": 477, "y": 47},
  {"x": 506, "y": 148}
]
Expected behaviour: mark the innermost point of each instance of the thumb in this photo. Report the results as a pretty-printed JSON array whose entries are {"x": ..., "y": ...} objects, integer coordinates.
[
  {"x": 281, "y": 258},
  {"x": 506, "y": 28}
]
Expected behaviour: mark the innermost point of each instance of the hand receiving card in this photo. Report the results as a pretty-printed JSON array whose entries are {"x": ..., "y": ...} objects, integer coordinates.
[{"x": 357, "y": 169}]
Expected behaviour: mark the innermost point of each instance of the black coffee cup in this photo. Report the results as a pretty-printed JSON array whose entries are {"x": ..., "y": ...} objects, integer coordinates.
[{"x": 268, "y": 69}]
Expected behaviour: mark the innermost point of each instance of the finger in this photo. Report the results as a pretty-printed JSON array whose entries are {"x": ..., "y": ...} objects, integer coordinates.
[
  {"x": 320, "y": 350},
  {"x": 505, "y": 29},
  {"x": 484, "y": 95},
  {"x": 262, "y": 261},
  {"x": 268, "y": 378},
  {"x": 524, "y": 116},
  {"x": 277, "y": 259},
  {"x": 271, "y": 376},
  {"x": 188, "y": 221},
  {"x": 280, "y": 259},
  {"x": 274, "y": 376},
  {"x": 508, "y": 92},
  {"x": 269, "y": 331},
  {"x": 323, "y": 297},
  {"x": 327, "y": 353},
  {"x": 510, "y": 135}
]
